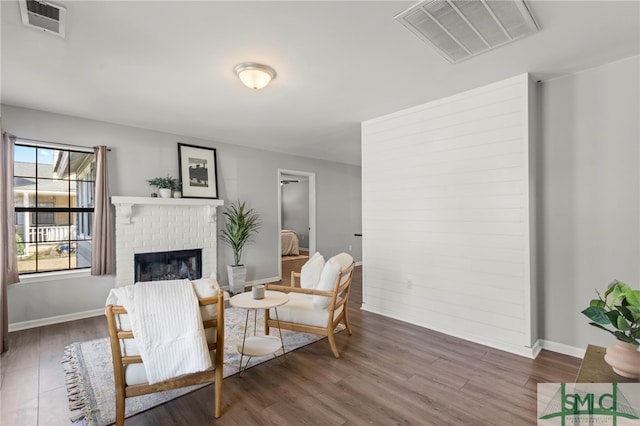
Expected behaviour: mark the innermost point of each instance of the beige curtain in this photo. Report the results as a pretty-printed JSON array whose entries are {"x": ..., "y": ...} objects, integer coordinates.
[
  {"x": 8, "y": 255},
  {"x": 101, "y": 237}
]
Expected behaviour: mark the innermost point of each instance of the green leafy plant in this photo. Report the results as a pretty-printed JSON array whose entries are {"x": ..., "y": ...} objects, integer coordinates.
[
  {"x": 168, "y": 182},
  {"x": 620, "y": 309},
  {"x": 240, "y": 223},
  {"x": 19, "y": 245}
]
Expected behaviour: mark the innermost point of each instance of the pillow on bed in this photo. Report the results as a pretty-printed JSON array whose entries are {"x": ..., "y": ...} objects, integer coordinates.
[{"x": 310, "y": 272}]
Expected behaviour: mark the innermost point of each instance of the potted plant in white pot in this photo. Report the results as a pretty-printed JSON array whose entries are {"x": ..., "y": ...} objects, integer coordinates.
[
  {"x": 165, "y": 185},
  {"x": 619, "y": 309},
  {"x": 240, "y": 224}
]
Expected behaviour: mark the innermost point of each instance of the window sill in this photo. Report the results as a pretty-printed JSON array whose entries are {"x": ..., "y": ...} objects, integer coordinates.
[{"x": 54, "y": 276}]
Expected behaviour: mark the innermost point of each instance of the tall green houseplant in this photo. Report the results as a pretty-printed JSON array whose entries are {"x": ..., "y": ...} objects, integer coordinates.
[{"x": 240, "y": 224}]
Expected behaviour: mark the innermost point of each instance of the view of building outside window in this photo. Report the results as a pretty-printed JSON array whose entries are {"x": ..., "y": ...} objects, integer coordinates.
[{"x": 54, "y": 192}]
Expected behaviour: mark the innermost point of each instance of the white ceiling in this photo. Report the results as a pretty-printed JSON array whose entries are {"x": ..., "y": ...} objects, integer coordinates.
[{"x": 168, "y": 65}]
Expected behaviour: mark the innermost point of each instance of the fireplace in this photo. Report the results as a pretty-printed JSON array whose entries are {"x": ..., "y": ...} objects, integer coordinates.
[
  {"x": 168, "y": 265},
  {"x": 150, "y": 225}
]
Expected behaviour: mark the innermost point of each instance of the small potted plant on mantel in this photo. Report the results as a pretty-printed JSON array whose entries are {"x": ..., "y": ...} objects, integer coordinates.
[
  {"x": 240, "y": 224},
  {"x": 165, "y": 185},
  {"x": 619, "y": 309}
]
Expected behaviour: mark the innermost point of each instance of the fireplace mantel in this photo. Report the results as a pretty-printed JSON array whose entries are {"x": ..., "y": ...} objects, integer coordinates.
[{"x": 125, "y": 205}]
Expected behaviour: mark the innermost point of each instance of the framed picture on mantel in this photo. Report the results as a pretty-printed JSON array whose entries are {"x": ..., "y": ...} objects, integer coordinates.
[{"x": 198, "y": 171}]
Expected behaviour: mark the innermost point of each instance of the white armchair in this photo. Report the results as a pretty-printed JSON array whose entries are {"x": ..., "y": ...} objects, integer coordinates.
[{"x": 320, "y": 304}]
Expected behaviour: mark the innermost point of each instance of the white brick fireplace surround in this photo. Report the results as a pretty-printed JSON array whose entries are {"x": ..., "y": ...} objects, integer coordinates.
[{"x": 146, "y": 225}]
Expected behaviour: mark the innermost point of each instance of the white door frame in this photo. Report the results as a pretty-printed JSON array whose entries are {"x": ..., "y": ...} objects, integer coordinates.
[{"x": 312, "y": 211}]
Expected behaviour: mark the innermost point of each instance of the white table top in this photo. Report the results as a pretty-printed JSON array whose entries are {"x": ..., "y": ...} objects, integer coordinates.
[{"x": 271, "y": 300}]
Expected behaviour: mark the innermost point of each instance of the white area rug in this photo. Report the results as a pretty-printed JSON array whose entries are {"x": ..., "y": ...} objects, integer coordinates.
[{"x": 89, "y": 371}]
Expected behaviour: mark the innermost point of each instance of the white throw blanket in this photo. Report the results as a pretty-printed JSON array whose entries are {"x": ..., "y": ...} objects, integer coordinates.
[{"x": 166, "y": 322}]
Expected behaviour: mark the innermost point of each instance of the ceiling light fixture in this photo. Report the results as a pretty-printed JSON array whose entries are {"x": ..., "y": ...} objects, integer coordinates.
[{"x": 254, "y": 76}]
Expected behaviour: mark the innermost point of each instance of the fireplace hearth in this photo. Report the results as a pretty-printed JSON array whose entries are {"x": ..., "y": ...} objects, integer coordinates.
[{"x": 168, "y": 265}]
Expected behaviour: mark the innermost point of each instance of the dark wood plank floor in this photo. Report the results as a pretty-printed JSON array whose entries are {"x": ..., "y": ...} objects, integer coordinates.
[{"x": 390, "y": 373}]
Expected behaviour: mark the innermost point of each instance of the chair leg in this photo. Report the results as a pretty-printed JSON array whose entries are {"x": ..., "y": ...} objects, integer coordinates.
[
  {"x": 218, "y": 394},
  {"x": 119, "y": 408},
  {"x": 332, "y": 343},
  {"x": 345, "y": 318}
]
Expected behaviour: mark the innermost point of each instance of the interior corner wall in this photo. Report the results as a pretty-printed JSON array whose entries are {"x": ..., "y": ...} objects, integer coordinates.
[
  {"x": 590, "y": 204},
  {"x": 243, "y": 173},
  {"x": 447, "y": 199}
]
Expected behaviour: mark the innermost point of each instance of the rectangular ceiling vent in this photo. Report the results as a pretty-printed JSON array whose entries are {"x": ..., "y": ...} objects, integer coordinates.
[
  {"x": 460, "y": 29},
  {"x": 44, "y": 16}
]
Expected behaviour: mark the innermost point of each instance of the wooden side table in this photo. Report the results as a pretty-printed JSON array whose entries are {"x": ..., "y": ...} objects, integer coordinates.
[{"x": 594, "y": 369}]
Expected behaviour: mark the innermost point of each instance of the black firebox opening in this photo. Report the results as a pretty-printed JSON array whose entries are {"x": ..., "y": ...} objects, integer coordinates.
[{"x": 168, "y": 265}]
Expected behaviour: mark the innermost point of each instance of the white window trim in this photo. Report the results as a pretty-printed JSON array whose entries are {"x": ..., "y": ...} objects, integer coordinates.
[{"x": 54, "y": 275}]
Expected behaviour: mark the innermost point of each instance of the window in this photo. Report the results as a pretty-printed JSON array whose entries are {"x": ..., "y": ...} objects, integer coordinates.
[
  {"x": 54, "y": 190},
  {"x": 43, "y": 217}
]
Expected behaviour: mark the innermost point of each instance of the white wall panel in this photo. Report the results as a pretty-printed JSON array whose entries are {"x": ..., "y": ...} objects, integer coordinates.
[{"x": 447, "y": 215}]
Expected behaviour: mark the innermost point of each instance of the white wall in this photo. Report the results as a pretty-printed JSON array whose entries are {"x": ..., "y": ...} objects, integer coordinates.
[
  {"x": 446, "y": 215},
  {"x": 590, "y": 195},
  {"x": 243, "y": 173}
]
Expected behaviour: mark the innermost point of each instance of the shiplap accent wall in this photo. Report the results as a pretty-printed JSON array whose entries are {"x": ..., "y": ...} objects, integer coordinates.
[{"x": 448, "y": 216}]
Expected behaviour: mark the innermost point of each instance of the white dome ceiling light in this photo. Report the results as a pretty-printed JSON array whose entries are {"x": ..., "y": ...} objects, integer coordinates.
[{"x": 254, "y": 76}]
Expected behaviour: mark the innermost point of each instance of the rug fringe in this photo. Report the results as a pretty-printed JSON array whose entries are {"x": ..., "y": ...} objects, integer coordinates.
[{"x": 76, "y": 392}]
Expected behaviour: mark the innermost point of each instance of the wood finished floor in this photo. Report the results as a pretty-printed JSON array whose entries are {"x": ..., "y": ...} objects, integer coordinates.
[{"x": 390, "y": 373}]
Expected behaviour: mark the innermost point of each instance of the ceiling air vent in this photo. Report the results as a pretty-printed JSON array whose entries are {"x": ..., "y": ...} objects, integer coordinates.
[
  {"x": 460, "y": 29},
  {"x": 43, "y": 16}
]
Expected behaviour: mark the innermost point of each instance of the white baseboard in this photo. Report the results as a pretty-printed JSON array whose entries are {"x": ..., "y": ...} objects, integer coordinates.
[
  {"x": 55, "y": 320},
  {"x": 263, "y": 281},
  {"x": 255, "y": 282},
  {"x": 529, "y": 352},
  {"x": 562, "y": 348},
  {"x": 359, "y": 263},
  {"x": 536, "y": 348}
]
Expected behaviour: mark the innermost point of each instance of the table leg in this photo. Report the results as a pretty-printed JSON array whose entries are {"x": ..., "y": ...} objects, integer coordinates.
[
  {"x": 244, "y": 338},
  {"x": 284, "y": 354},
  {"x": 255, "y": 321}
]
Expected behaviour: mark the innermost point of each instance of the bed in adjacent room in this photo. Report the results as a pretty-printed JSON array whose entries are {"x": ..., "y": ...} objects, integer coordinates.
[{"x": 290, "y": 243}]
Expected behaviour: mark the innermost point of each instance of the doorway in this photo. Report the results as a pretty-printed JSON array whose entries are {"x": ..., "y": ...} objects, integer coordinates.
[{"x": 296, "y": 215}]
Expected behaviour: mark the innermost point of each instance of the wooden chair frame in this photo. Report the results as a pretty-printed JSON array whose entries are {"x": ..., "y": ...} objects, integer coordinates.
[
  {"x": 120, "y": 362},
  {"x": 338, "y": 297}
]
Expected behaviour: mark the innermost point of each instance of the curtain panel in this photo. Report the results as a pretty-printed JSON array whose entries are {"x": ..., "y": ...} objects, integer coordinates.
[
  {"x": 8, "y": 252},
  {"x": 102, "y": 236}
]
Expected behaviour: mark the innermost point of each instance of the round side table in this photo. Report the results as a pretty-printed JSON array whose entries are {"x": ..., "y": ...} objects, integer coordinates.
[{"x": 259, "y": 345}]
